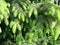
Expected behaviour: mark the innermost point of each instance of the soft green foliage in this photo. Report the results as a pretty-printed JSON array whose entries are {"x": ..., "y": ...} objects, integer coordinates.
[
  {"x": 4, "y": 11},
  {"x": 29, "y": 22}
]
